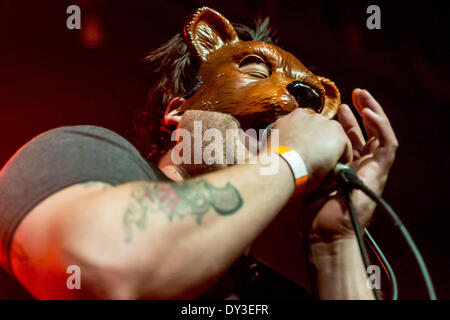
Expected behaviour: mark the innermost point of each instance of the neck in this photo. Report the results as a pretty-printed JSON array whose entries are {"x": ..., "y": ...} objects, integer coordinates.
[{"x": 172, "y": 171}]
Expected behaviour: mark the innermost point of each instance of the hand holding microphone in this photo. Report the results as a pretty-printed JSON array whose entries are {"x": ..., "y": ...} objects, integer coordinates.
[
  {"x": 320, "y": 143},
  {"x": 323, "y": 145}
]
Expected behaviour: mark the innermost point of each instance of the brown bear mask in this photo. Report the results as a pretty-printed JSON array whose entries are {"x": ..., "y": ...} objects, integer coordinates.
[{"x": 254, "y": 81}]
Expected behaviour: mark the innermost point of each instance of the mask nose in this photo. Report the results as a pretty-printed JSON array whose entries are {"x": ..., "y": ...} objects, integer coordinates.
[{"x": 306, "y": 96}]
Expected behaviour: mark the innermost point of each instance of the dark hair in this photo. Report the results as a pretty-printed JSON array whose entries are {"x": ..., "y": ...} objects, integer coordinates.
[{"x": 175, "y": 69}]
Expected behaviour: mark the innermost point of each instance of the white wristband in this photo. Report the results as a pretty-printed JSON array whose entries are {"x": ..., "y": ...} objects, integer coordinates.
[{"x": 296, "y": 164}]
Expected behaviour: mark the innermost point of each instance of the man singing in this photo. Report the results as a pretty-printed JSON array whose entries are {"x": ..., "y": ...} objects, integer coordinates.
[{"x": 84, "y": 196}]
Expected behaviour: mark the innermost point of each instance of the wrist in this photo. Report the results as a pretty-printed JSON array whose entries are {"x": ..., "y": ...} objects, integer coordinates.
[
  {"x": 333, "y": 247},
  {"x": 338, "y": 270},
  {"x": 296, "y": 164},
  {"x": 329, "y": 238},
  {"x": 271, "y": 164}
]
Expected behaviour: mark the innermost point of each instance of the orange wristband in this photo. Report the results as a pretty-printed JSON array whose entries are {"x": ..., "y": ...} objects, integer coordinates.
[{"x": 296, "y": 164}]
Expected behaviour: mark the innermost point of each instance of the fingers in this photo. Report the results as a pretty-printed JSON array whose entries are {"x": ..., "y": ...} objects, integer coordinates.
[
  {"x": 371, "y": 146},
  {"x": 363, "y": 99},
  {"x": 375, "y": 120},
  {"x": 384, "y": 153},
  {"x": 379, "y": 127},
  {"x": 351, "y": 127},
  {"x": 366, "y": 100},
  {"x": 347, "y": 155}
]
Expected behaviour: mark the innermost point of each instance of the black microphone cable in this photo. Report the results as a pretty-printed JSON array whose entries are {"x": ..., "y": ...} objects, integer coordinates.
[
  {"x": 386, "y": 265},
  {"x": 359, "y": 237},
  {"x": 349, "y": 180}
]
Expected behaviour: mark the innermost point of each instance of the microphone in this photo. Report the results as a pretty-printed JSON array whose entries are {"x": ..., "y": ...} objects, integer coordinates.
[
  {"x": 340, "y": 167},
  {"x": 348, "y": 179},
  {"x": 346, "y": 176}
]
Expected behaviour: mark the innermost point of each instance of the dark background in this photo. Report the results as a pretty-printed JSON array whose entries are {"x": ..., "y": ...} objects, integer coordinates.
[{"x": 51, "y": 76}]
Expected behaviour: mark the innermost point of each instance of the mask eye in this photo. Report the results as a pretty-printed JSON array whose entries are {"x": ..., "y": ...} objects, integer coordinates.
[{"x": 255, "y": 66}]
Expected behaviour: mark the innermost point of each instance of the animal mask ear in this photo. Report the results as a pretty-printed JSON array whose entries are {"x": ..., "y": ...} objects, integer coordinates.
[
  {"x": 207, "y": 31},
  {"x": 332, "y": 97}
]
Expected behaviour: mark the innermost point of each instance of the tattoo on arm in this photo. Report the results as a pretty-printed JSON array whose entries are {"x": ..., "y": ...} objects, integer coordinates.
[{"x": 193, "y": 198}]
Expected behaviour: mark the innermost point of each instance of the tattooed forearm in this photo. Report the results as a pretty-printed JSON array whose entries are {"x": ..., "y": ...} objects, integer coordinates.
[{"x": 193, "y": 198}]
